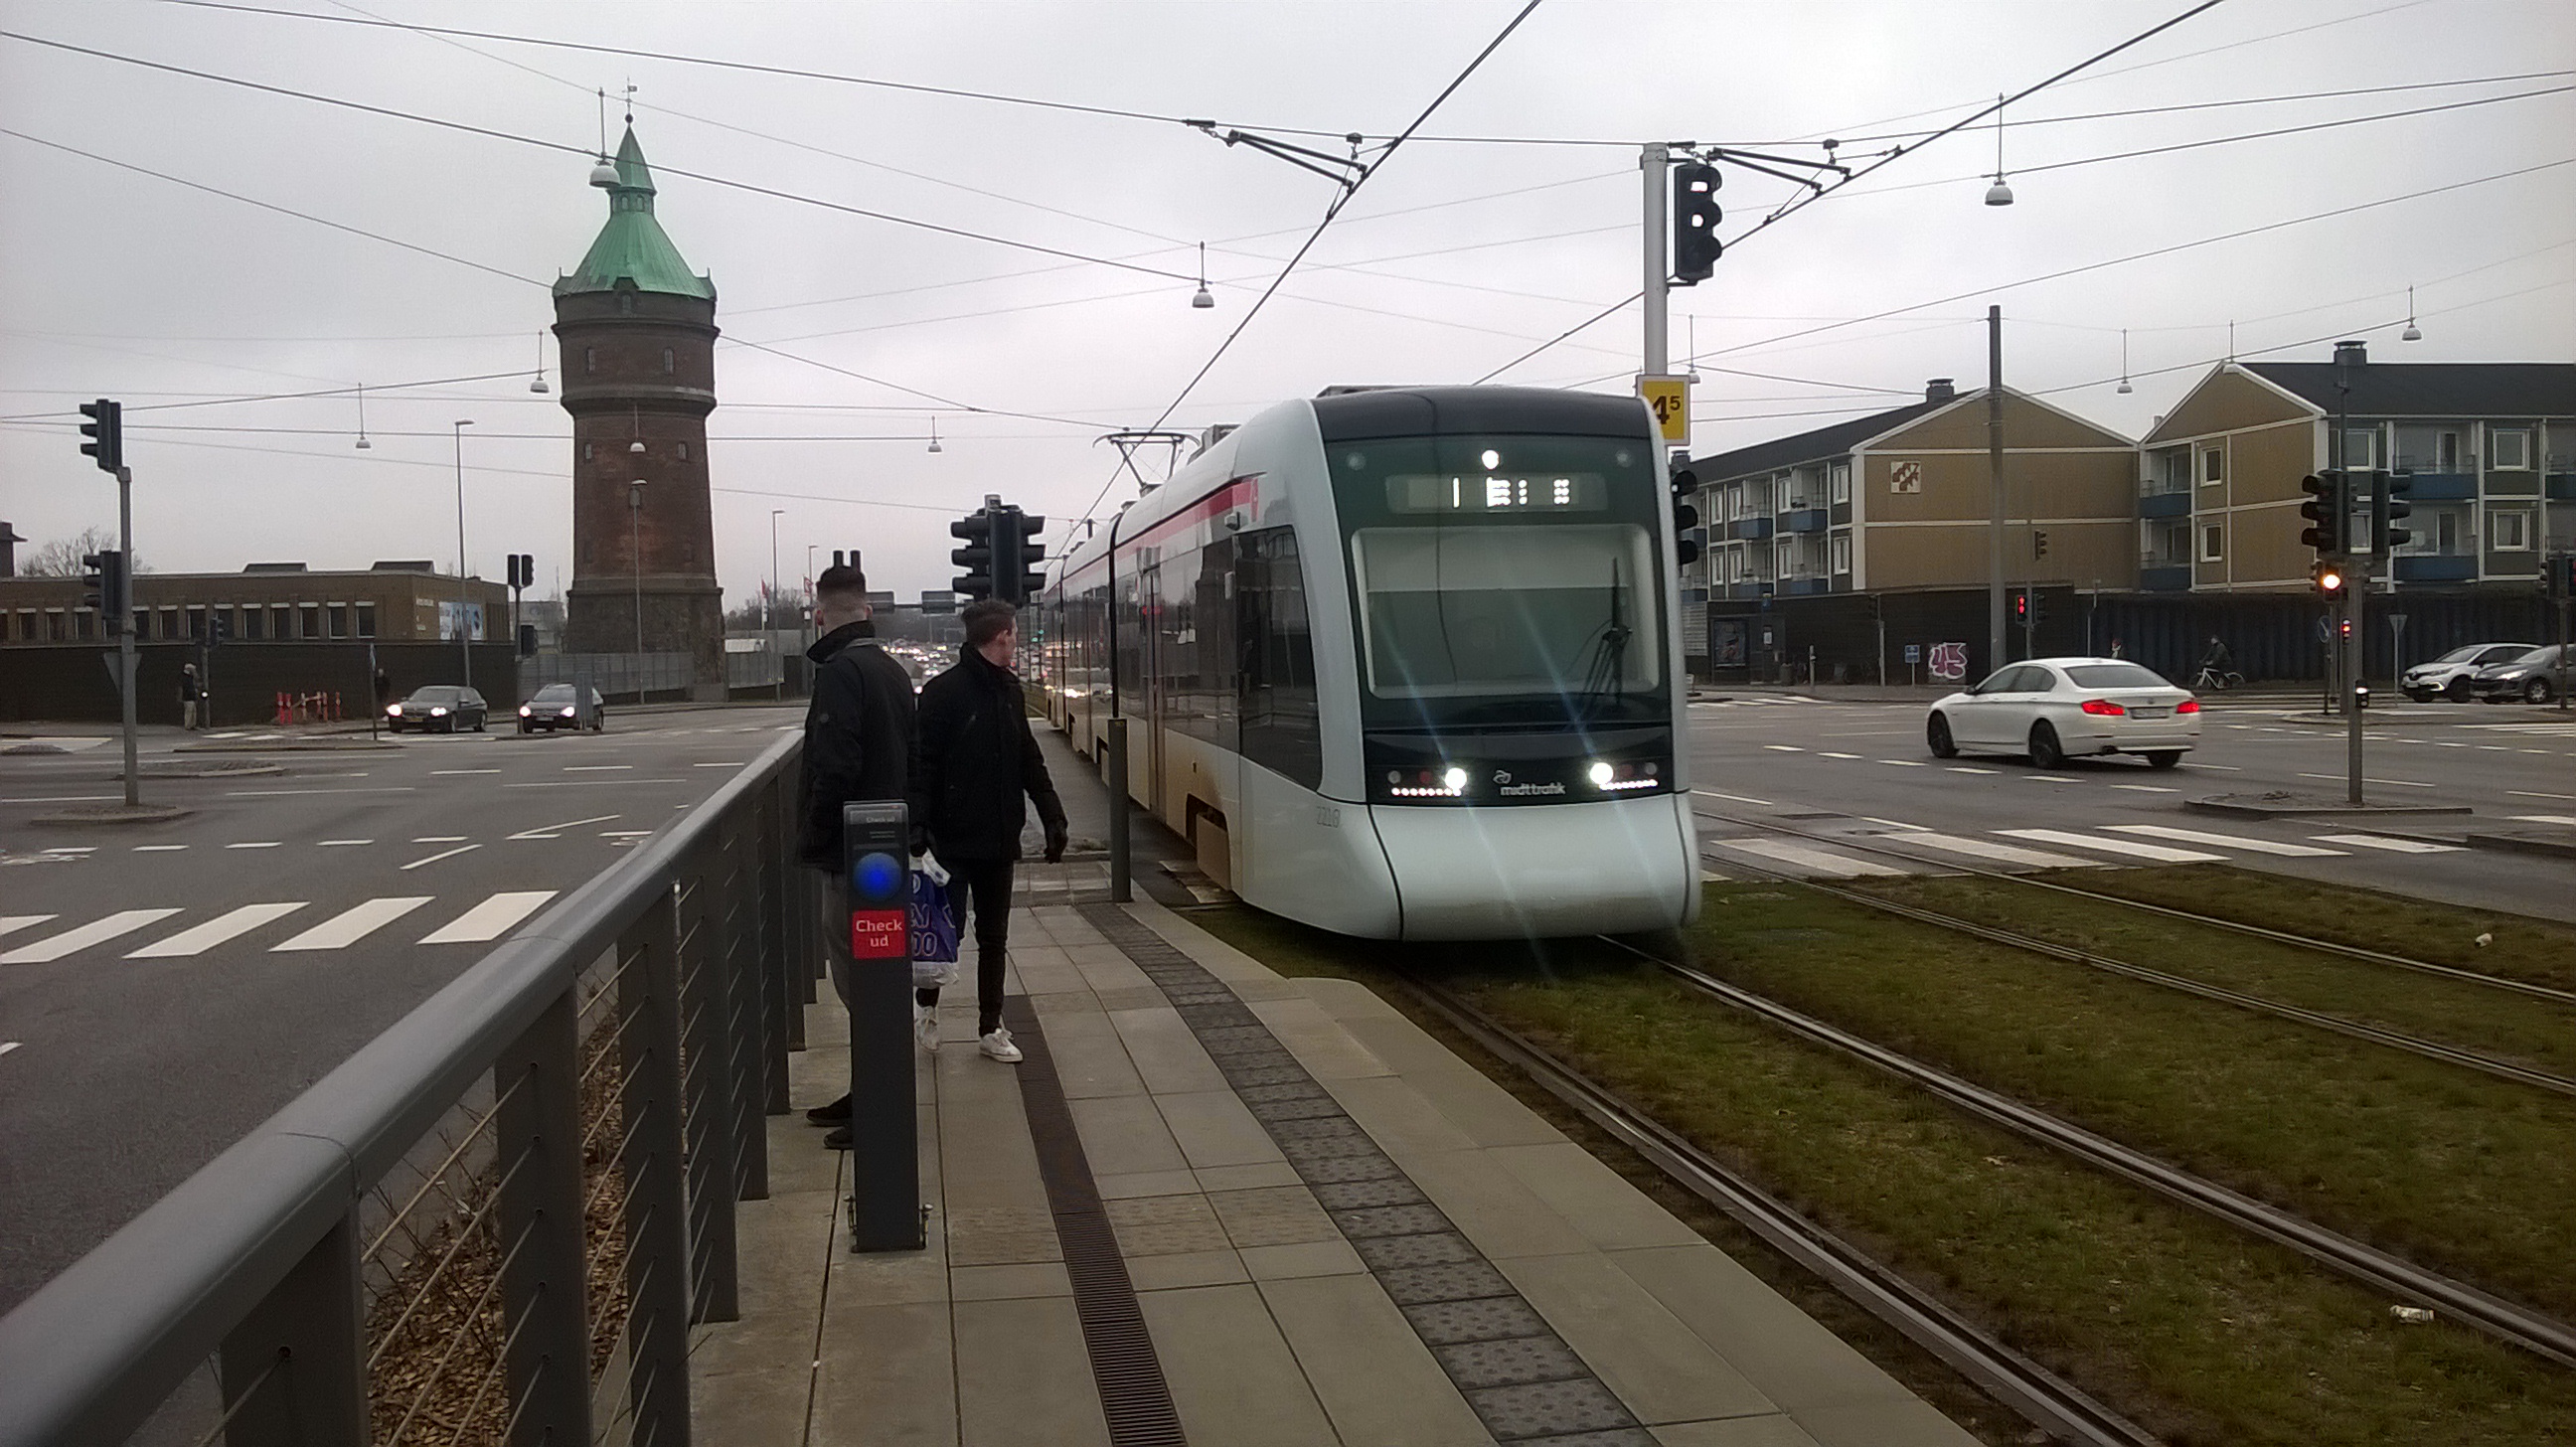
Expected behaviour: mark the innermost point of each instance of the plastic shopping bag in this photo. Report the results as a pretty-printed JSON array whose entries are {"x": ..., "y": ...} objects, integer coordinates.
[{"x": 934, "y": 926}]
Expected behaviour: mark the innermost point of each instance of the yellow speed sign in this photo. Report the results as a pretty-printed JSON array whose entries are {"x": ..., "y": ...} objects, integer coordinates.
[{"x": 1669, "y": 399}]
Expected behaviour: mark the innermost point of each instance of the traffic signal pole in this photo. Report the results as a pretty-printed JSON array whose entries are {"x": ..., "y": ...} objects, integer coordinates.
[
  {"x": 1655, "y": 160},
  {"x": 125, "y": 629}
]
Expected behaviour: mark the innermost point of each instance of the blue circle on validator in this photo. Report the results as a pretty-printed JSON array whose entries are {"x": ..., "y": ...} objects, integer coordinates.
[{"x": 877, "y": 876}]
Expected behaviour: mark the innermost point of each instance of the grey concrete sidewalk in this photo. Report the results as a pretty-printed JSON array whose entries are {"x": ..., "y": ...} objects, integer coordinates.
[{"x": 1270, "y": 1325}]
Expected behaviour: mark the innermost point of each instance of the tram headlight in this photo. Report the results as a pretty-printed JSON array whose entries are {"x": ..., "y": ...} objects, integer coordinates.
[
  {"x": 1601, "y": 775},
  {"x": 1455, "y": 779}
]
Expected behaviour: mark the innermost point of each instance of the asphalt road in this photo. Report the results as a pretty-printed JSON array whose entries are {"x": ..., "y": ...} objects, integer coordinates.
[
  {"x": 165, "y": 987},
  {"x": 1862, "y": 769}
]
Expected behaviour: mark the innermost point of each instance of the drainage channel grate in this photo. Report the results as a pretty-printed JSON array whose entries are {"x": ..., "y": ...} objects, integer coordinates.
[
  {"x": 1134, "y": 1397},
  {"x": 1523, "y": 1382}
]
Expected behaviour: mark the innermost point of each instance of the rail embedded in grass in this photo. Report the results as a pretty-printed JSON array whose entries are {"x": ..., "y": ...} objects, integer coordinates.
[{"x": 2197, "y": 1331}]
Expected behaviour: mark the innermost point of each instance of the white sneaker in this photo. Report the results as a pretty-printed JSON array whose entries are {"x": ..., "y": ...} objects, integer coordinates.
[
  {"x": 998, "y": 1045},
  {"x": 925, "y": 1027}
]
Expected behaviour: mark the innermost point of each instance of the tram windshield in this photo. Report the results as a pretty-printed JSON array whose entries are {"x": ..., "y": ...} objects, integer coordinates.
[{"x": 1504, "y": 580}]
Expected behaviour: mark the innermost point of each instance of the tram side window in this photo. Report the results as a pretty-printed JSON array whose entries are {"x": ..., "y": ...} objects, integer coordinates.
[
  {"x": 1282, "y": 727},
  {"x": 1130, "y": 645},
  {"x": 1196, "y": 644}
]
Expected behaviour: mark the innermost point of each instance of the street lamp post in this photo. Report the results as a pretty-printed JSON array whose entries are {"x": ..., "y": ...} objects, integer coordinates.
[
  {"x": 768, "y": 623},
  {"x": 464, "y": 635}
]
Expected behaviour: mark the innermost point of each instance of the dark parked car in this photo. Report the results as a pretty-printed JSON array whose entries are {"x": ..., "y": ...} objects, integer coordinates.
[
  {"x": 2533, "y": 678},
  {"x": 556, "y": 707},
  {"x": 439, "y": 708}
]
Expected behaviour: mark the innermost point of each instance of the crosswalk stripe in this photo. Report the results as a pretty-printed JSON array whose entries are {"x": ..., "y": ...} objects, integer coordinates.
[
  {"x": 2382, "y": 841},
  {"x": 487, "y": 920},
  {"x": 354, "y": 923},
  {"x": 2567, "y": 819},
  {"x": 2162, "y": 854},
  {"x": 198, "y": 939},
  {"x": 11, "y": 923},
  {"x": 2225, "y": 841},
  {"x": 54, "y": 947},
  {"x": 2001, "y": 853},
  {"x": 1834, "y": 866}
]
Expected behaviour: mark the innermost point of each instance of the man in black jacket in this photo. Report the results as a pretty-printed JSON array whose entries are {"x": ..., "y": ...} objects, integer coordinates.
[
  {"x": 975, "y": 766},
  {"x": 858, "y": 745}
]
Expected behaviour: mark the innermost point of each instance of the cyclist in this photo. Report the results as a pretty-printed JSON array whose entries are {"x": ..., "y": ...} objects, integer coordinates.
[{"x": 2217, "y": 664}]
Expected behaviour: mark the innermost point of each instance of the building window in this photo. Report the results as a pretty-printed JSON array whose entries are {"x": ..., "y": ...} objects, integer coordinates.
[
  {"x": 2361, "y": 447},
  {"x": 311, "y": 620},
  {"x": 666, "y": 361},
  {"x": 2510, "y": 532},
  {"x": 2213, "y": 542},
  {"x": 281, "y": 621},
  {"x": 590, "y": 359},
  {"x": 366, "y": 620},
  {"x": 1840, "y": 486},
  {"x": 1842, "y": 552},
  {"x": 170, "y": 621},
  {"x": 2508, "y": 449},
  {"x": 339, "y": 620},
  {"x": 254, "y": 627},
  {"x": 2213, "y": 465}
]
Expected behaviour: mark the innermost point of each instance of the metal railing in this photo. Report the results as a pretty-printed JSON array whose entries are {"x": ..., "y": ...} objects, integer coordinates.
[{"x": 581, "y": 1108}]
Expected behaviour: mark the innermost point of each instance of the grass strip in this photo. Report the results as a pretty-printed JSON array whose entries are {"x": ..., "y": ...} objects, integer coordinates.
[
  {"x": 2536, "y": 951},
  {"x": 2467, "y": 1174},
  {"x": 2519, "y": 1028},
  {"x": 2200, "y": 1333}
]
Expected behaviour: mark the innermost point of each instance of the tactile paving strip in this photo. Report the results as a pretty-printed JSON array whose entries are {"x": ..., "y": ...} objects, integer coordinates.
[{"x": 1524, "y": 1383}]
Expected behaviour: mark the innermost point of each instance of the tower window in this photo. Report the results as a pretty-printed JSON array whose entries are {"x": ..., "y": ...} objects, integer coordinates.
[
  {"x": 590, "y": 359},
  {"x": 684, "y": 452},
  {"x": 666, "y": 361},
  {"x": 626, "y": 303},
  {"x": 585, "y": 452}
]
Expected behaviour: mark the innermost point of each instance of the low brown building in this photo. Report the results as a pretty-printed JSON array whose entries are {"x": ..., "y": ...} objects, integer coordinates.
[{"x": 401, "y": 602}]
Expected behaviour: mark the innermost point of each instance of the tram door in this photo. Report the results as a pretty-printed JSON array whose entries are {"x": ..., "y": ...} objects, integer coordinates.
[{"x": 1158, "y": 695}]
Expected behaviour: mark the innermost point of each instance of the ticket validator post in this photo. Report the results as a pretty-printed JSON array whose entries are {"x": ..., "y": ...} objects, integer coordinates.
[{"x": 886, "y": 1210}]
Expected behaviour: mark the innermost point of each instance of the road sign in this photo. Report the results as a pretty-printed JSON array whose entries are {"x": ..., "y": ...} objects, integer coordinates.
[
  {"x": 1913, "y": 653},
  {"x": 1669, "y": 399}
]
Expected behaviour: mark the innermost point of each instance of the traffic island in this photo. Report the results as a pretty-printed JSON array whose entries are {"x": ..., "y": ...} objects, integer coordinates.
[
  {"x": 116, "y": 814},
  {"x": 2560, "y": 844},
  {"x": 2298, "y": 804},
  {"x": 210, "y": 769}
]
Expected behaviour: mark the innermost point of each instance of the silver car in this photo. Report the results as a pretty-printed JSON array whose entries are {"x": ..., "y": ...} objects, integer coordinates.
[
  {"x": 2450, "y": 676},
  {"x": 2054, "y": 709}
]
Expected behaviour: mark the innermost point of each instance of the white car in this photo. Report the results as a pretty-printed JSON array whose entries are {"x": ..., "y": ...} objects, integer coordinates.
[
  {"x": 2449, "y": 676},
  {"x": 2054, "y": 709}
]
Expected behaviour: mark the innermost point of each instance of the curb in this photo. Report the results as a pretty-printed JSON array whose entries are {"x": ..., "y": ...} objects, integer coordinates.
[
  {"x": 2545, "y": 844},
  {"x": 2314, "y": 808},
  {"x": 116, "y": 814}
]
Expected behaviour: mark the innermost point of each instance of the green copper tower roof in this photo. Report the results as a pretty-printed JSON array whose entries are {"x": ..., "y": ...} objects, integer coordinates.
[{"x": 632, "y": 248}]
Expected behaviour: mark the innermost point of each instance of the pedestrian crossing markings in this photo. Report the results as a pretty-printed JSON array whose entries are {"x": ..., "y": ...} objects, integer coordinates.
[
  {"x": 486, "y": 920},
  {"x": 1817, "y": 859}
]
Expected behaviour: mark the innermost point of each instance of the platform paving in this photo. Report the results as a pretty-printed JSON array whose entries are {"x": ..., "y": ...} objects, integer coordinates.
[{"x": 1516, "y": 1289}]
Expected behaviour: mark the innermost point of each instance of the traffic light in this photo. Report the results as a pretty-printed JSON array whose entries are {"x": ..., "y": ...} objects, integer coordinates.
[
  {"x": 1016, "y": 555},
  {"x": 2558, "y": 576},
  {"x": 103, "y": 584},
  {"x": 976, "y": 557},
  {"x": 2038, "y": 543},
  {"x": 2326, "y": 578},
  {"x": 1684, "y": 482},
  {"x": 2388, "y": 508},
  {"x": 852, "y": 557},
  {"x": 2326, "y": 511},
  {"x": 1695, "y": 218},
  {"x": 106, "y": 431},
  {"x": 2343, "y": 628},
  {"x": 2021, "y": 608},
  {"x": 523, "y": 570}
]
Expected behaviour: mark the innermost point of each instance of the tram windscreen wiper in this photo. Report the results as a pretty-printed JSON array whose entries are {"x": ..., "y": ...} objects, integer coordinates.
[{"x": 1606, "y": 677}]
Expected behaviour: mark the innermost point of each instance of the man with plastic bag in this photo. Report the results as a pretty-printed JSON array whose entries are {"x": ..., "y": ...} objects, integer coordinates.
[
  {"x": 975, "y": 770},
  {"x": 858, "y": 745}
]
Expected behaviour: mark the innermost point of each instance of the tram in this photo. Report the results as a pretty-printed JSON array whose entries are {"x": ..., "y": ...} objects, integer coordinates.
[{"x": 1401, "y": 663}]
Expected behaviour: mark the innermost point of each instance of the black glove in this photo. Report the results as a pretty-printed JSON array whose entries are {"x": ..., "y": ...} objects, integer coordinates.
[{"x": 1056, "y": 839}]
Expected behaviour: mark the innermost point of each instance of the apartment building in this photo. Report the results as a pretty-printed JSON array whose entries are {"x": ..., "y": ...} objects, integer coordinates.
[
  {"x": 2491, "y": 447},
  {"x": 400, "y": 601}
]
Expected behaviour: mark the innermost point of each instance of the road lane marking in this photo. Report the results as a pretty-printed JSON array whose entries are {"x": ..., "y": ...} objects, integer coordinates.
[
  {"x": 1833, "y": 866},
  {"x": 2382, "y": 841},
  {"x": 444, "y": 854},
  {"x": 591, "y": 783},
  {"x": 65, "y": 799},
  {"x": 354, "y": 923},
  {"x": 625, "y": 833},
  {"x": 2536, "y": 794},
  {"x": 2225, "y": 841},
  {"x": 7, "y": 1045},
  {"x": 2398, "y": 783},
  {"x": 735, "y": 765},
  {"x": 487, "y": 920},
  {"x": 1784, "y": 748},
  {"x": 435, "y": 773},
  {"x": 1906, "y": 763},
  {"x": 1830, "y": 754},
  {"x": 594, "y": 768},
  {"x": 440, "y": 839},
  {"x": 1967, "y": 769},
  {"x": 1890, "y": 823},
  {"x": 70, "y": 849},
  {"x": 292, "y": 793},
  {"x": 2567, "y": 819},
  {"x": 555, "y": 831},
  {"x": 1738, "y": 798},
  {"x": 343, "y": 843},
  {"x": 54, "y": 947},
  {"x": 12, "y": 923},
  {"x": 2162, "y": 854},
  {"x": 201, "y": 938},
  {"x": 2048, "y": 778},
  {"x": 2004, "y": 853},
  {"x": 2146, "y": 788},
  {"x": 254, "y": 844},
  {"x": 158, "y": 848}
]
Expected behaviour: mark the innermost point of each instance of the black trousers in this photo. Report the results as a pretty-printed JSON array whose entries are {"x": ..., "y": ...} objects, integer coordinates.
[{"x": 988, "y": 883}]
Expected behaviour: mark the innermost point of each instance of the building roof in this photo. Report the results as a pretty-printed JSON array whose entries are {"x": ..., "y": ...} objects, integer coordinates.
[
  {"x": 632, "y": 249},
  {"x": 2433, "y": 389},
  {"x": 1814, "y": 446}
]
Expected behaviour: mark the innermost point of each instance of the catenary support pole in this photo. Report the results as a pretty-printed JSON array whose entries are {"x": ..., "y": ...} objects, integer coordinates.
[
  {"x": 1995, "y": 635},
  {"x": 125, "y": 629}
]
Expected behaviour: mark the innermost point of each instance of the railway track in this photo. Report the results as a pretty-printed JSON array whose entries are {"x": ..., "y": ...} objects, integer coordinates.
[
  {"x": 2048, "y": 1401},
  {"x": 2505, "y": 1320},
  {"x": 2219, "y": 922}
]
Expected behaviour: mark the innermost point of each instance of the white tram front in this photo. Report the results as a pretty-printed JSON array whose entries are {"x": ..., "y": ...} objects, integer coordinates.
[{"x": 1401, "y": 663}]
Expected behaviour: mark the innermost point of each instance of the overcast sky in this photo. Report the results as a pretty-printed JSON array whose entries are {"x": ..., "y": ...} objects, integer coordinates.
[{"x": 1455, "y": 258}]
